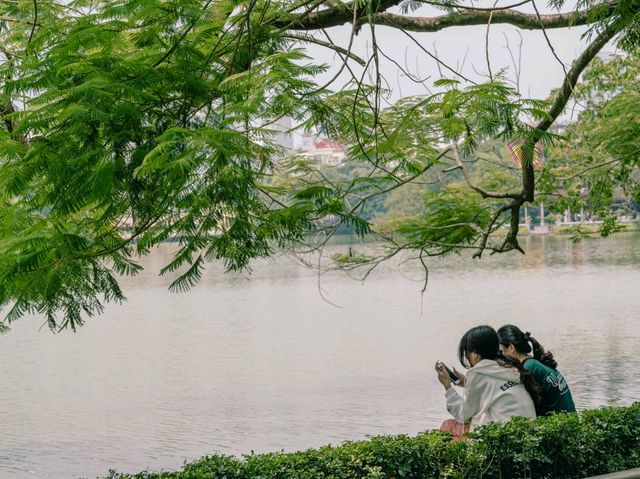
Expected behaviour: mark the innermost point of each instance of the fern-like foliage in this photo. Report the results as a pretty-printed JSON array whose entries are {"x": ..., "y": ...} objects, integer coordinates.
[{"x": 129, "y": 122}]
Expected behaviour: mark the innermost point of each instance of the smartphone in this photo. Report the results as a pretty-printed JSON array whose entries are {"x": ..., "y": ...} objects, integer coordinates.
[{"x": 452, "y": 376}]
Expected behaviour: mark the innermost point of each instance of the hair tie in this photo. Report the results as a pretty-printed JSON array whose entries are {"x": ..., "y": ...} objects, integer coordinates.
[{"x": 527, "y": 336}]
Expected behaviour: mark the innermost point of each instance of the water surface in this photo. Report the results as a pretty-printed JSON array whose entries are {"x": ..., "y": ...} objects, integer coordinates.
[{"x": 262, "y": 362}]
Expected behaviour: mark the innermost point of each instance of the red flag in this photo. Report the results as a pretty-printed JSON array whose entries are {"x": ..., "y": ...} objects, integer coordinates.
[{"x": 515, "y": 148}]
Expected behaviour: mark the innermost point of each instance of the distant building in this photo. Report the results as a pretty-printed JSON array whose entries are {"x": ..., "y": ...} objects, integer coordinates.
[{"x": 324, "y": 152}]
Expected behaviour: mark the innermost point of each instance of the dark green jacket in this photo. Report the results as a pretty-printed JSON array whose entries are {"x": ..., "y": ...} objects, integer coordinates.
[{"x": 556, "y": 395}]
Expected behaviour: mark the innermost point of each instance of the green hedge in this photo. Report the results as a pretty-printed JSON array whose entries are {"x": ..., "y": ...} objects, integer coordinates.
[{"x": 561, "y": 446}]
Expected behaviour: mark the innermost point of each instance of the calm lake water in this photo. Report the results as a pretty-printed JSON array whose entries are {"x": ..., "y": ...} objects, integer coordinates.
[{"x": 263, "y": 363}]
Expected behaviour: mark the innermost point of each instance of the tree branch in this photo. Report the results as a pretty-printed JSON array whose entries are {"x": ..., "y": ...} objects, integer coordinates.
[
  {"x": 329, "y": 17},
  {"x": 489, "y": 229},
  {"x": 331, "y": 46},
  {"x": 576, "y": 70},
  {"x": 472, "y": 185},
  {"x": 335, "y": 16},
  {"x": 526, "y": 21},
  {"x": 35, "y": 20},
  {"x": 559, "y": 102}
]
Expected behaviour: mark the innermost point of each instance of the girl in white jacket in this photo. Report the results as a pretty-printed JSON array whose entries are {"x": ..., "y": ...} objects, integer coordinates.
[{"x": 495, "y": 388}]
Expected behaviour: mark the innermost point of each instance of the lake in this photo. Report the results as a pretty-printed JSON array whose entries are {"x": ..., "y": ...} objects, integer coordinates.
[{"x": 265, "y": 362}]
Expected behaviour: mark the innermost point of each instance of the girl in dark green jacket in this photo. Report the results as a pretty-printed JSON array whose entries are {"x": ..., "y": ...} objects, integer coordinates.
[{"x": 555, "y": 395}]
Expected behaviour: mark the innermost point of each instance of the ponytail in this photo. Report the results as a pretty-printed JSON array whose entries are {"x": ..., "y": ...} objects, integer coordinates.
[
  {"x": 545, "y": 357},
  {"x": 525, "y": 344}
]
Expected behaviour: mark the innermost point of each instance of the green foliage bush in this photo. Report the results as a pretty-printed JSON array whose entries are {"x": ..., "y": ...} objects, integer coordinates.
[{"x": 560, "y": 446}]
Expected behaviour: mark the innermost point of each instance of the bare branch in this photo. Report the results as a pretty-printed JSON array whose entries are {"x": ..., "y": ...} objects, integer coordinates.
[
  {"x": 339, "y": 15},
  {"x": 435, "y": 57},
  {"x": 486, "y": 42},
  {"x": 35, "y": 20},
  {"x": 404, "y": 70},
  {"x": 546, "y": 37},
  {"x": 478, "y": 9},
  {"x": 517, "y": 66},
  {"x": 591, "y": 168},
  {"x": 332, "y": 46},
  {"x": 473, "y": 186}
]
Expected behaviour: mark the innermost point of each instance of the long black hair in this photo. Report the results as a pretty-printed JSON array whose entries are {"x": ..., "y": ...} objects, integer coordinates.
[
  {"x": 525, "y": 344},
  {"x": 484, "y": 341}
]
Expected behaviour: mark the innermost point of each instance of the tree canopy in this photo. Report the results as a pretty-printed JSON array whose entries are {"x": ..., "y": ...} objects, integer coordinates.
[
  {"x": 128, "y": 122},
  {"x": 597, "y": 167}
]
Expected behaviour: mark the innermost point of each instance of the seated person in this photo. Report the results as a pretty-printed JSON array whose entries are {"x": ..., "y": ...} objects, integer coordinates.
[
  {"x": 555, "y": 395},
  {"x": 495, "y": 388}
]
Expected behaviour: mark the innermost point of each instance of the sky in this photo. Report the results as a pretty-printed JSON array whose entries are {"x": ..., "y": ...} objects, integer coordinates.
[{"x": 540, "y": 71}]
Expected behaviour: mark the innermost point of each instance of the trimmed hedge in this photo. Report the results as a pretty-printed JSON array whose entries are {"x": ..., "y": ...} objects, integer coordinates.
[{"x": 560, "y": 446}]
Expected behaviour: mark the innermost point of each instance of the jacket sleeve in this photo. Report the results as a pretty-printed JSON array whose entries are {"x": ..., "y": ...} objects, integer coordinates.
[{"x": 463, "y": 409}]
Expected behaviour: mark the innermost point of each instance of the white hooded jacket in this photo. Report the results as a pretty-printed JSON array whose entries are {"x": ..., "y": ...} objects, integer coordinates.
[{"x": 492, "y": 393}]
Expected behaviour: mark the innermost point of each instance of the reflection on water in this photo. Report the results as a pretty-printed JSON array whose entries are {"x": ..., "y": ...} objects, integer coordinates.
[{"x": 262, "y": 362}]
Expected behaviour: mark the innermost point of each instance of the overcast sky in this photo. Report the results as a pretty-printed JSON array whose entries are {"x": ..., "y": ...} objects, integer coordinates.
[{"x": 540, "y": 72}]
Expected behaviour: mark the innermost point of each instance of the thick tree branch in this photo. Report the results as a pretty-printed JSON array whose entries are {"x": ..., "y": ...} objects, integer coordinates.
[
  {"x": 528, "y": 177},
  {"x": 559, "y": 102},
  {"x": 574, "y": 73},
  {"x": 522, "y": 20},
  {"x": 511, "y": 240},
  {"x": 335, "y": 16},
  {"x": 490, "y": 228},
  {"x": 329, "y": 17}
]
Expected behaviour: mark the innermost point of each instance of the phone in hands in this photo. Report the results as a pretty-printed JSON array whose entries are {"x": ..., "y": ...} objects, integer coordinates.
[{"x": 452, "y": 376}]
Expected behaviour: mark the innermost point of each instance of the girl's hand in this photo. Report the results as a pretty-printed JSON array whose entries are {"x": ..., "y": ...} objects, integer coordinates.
[
  {"x": 462, "y": 377},
  {"x": 443, "y": 377}
]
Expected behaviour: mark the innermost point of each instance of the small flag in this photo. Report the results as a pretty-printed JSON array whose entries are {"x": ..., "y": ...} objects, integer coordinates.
[{"x": 515, "y": 148}]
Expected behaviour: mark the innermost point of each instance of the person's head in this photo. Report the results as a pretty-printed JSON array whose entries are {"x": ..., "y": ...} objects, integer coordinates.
[
  {"x": 514, "y": 344},
  {"x": 483, "y": 342},
  {"x": 478, "y": 343}
]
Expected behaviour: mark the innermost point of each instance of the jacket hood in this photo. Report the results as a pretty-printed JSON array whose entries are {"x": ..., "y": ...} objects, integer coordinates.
[{"x": 488, "y": 367}]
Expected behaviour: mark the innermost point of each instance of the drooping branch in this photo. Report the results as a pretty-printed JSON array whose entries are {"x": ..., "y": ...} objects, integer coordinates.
[
  {"x": 331, "y": 46},
  {"x": 484, "y": 193},
  {"x": 486, "y": 49},
  {"x": 548, "y": 40},
  {"x": 437, "y": 59}
]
